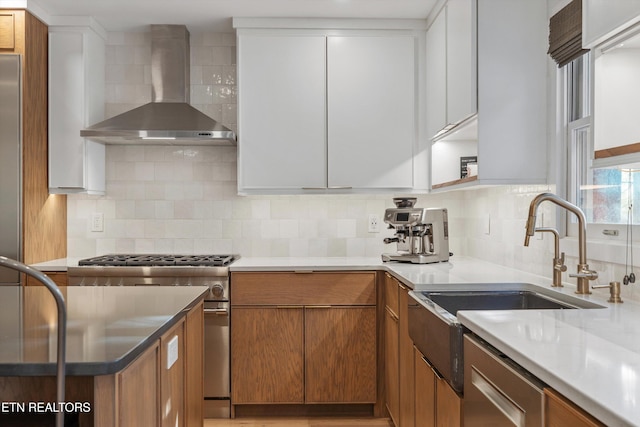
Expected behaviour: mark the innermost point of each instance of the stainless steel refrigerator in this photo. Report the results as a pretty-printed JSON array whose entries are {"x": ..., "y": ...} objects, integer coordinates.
[{"x": 10, "y": 164}]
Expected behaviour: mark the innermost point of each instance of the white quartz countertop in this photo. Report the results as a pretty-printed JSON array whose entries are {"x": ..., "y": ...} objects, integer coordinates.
[{"x": 591, "y": 356}]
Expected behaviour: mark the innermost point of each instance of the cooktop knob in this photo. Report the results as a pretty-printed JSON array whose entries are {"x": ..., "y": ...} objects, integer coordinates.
[{"x": 217, "y": 290}]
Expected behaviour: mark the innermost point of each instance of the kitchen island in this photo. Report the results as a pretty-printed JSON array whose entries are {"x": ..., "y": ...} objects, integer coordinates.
[{"x": 130, "y": 351}]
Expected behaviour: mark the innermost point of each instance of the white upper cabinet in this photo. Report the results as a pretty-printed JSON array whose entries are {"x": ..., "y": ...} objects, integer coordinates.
[
  {"x": 602, "y": 19},
  {"x": 436, "y": 69},
  {"x": 509, "y": 133},
  {"x": 76, "y": 100},
  {"x": 325, "y": 110},
  {"x": 371, "y": 112},
  {"x": 282, "y": 112},
  {"x": 451, "y": 67},
  {"x": 462, "y": 72}
]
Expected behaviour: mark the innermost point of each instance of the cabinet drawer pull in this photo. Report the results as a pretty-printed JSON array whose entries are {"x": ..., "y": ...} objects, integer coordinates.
[
  {"x": 403, "y": 287},
  {"x": 303, "y": 271},
  {"x": 391, "y": 313},
  {"x": 437, "y": 374},
  {"x": 497, "y": 398},
  {"x": 340, "y": 187},
  {"x": 289, "y": 306},
  {"x": 217, "y": 311},
  {"x": 318, "y": 306}
]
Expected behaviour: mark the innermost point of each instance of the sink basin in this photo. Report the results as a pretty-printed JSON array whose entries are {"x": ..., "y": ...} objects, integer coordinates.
[
  {"x": 437, "y": 333},
  {"x": 493, "y": 300}
]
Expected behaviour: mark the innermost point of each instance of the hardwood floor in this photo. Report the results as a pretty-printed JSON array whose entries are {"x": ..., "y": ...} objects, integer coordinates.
[{"x": 299, "y": 422}]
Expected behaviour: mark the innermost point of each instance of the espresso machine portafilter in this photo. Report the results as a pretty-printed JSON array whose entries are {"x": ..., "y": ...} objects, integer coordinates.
[{"x": 421, "y": 234}]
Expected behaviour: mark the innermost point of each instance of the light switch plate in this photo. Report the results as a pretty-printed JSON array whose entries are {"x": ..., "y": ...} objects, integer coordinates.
[
  {"x": 97, "y": 222},
  {"x": 487, "y": 225},
  {"x": 172, "y": 352}
]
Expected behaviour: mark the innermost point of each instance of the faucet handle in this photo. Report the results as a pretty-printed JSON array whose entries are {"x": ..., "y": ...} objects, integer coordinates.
[
  {"x": 559, "y": 263},
  {"x": 585, "y": 273}
]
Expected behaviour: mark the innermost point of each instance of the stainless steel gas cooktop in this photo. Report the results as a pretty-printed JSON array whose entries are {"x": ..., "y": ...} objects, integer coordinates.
[{"x": 151, "y": 260}]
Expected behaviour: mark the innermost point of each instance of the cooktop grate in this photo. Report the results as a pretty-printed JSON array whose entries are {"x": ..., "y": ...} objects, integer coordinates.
[{"x": 149, "y": 260}]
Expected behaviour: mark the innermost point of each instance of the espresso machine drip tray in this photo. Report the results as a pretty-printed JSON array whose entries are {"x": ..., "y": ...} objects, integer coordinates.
[{"x": 412, "y": 258}]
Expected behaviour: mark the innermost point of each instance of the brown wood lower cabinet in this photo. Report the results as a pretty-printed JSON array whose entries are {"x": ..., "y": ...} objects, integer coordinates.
[
  {"x": 137, "y": 401},
  {"x": 407, "y": 369},
  {"x": 392, "y": 373},
  {"x": 340, "y": 354},
  {"x": 194, "y": 367},
  {"x": 399, "y": 364},
  {"x": 149, "y": 392},
  {"x": 425, "y": 392},
  {"x": 561, "y": 412},
  {"x": 303, "y": 338},
  {"x": 436, "y": 403},
  {"x": 267, "y": 348},
  {"x": 172, "y": 376}
]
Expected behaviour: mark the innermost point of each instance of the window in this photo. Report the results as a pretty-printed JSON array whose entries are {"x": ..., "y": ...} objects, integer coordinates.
[{"x": 605, "y": 195}]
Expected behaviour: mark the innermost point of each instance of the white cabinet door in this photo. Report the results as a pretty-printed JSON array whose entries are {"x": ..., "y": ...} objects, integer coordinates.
[
  {"x": 461, "y": 60},
  {"x": 452, "y": 66},
  {"x": 371, "y": 111},
  {"x": 512, "y": 100},
  {"x": 508, "y": 135},
  {"x": 436, "y": 83},
  {"x": 76, "y": 100},
  {"x": 282, "y": 111},
  {"x": 602, "y": 19}
]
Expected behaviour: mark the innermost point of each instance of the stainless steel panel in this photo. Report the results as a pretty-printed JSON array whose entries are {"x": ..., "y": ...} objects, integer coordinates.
[
  {"x": 439, "y": 341},
  {"x": 10, "y": 165},
  {"x": 216, "y": 350},
  {"x": 10, "y": 325},
  {"x": 497, "y": 391}
]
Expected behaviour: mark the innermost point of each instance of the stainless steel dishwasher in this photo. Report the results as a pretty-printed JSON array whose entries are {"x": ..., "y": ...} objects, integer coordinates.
[{"x": 498, "y": 392}]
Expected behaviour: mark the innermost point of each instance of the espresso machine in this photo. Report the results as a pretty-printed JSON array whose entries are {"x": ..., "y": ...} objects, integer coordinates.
[{"x": 422, "y": 234}]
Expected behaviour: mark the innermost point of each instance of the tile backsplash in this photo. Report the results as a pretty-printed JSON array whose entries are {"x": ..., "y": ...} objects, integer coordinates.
[{"x": 183, "y": 199}]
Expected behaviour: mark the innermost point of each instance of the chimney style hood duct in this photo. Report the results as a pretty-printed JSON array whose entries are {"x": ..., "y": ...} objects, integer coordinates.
[{"x": 169, "y": 116}]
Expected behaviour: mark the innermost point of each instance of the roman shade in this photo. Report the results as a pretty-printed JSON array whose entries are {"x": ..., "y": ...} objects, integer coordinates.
[{"x": 565, "y": 34}]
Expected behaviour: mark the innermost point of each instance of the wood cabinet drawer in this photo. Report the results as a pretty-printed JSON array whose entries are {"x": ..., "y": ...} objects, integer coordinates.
[
  {"x": 316, "y": 288},
  {"x": 7, "y": 31}
]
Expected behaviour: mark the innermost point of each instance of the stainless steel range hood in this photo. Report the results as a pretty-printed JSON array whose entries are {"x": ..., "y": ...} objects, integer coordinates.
[{"x": 168, "y": 118}]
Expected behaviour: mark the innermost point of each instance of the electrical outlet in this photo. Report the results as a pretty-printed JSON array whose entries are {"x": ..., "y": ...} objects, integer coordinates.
[
  {"x": 172, "y": 352},
  {"x": 374, "y": 223},
  {"x": 97, "y": 222}
]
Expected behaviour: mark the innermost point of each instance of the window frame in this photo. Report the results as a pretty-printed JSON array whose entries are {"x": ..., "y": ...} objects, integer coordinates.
[{"x": 584, "y": 147}]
